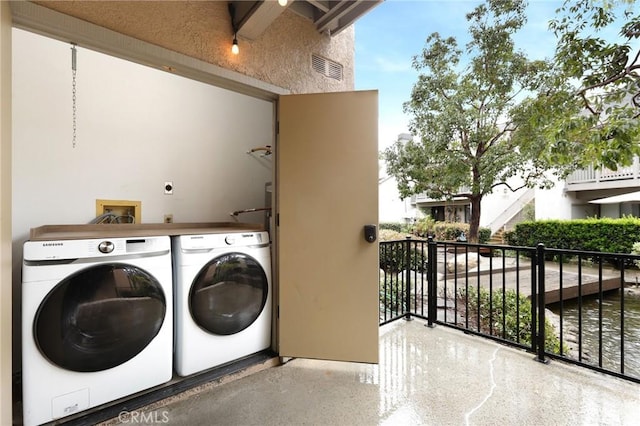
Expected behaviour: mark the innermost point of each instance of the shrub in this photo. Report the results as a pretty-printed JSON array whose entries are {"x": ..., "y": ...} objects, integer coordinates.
[
  {"x": 393, "y": 226},
  {"x": 517, "y": 316},
  {"x": 484, "y": 234},
  {"x": 393, "y": 258},
  {"x": 448, "y": 231},
  {"x": 425, "y": 226},
  {"x": 390, "y": 235},
  {"x": 635, "y": 249}
]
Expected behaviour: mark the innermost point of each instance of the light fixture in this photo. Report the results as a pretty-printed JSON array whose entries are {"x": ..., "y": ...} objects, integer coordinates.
[
  {"x": 234, "y": 47},
  {"x": 232, "y": 12},
  {"x": 282, "y": 3}
]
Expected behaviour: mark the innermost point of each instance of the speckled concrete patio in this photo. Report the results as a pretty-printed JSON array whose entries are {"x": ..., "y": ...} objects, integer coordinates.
[{"x": 434, "y": 376}]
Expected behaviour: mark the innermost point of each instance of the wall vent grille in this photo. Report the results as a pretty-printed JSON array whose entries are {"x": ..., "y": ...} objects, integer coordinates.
[{"x": 326, "y": 67}]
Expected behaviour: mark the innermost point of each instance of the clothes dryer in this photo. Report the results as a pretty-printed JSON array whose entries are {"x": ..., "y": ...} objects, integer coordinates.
[
  {"x": 223, "y": 298},
  {"x": 97, "y": 322}
]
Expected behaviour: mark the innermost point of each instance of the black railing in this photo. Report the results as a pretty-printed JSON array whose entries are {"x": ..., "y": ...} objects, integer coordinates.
[{"x": 582, "y": 307}]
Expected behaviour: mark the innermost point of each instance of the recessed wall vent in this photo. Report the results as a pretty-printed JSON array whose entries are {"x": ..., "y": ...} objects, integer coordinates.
[{"x": 326, "y": 67}]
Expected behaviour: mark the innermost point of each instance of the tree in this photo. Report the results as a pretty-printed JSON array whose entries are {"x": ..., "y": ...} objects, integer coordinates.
[
  {"x": 465, "y": 120},
  {"x": 590, "y": 113}
]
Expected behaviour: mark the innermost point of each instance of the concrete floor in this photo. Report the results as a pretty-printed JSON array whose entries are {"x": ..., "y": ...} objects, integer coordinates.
[{"x": 428, "y": 376}]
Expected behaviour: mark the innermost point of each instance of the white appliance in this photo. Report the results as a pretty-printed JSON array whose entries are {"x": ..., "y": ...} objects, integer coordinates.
[
  {"x": 223, "y": 298},
  {"x": 97, "y": 322}
]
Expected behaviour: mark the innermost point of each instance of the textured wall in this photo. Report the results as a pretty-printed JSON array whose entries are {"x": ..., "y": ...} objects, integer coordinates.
[{"x": 202, "y": 29}]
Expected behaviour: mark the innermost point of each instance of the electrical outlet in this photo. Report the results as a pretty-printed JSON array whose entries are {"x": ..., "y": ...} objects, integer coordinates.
[
  {"x": 168, "y": 218},
  {"x": 168, "y": 188}
]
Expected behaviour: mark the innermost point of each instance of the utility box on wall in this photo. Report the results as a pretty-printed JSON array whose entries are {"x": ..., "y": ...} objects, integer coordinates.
[{"x": 118, "y": 211}]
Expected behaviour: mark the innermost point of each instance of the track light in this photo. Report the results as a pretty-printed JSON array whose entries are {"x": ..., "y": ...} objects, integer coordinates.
[{"x": 234, "y": 47}]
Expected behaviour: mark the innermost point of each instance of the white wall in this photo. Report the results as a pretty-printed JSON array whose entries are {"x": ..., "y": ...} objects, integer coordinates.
[
  {"x": 390, "y": 207},
  {"x": 137, "y": 127},
  {"x": 553, "y": 203},
  {"x": 6, "y": 299}
]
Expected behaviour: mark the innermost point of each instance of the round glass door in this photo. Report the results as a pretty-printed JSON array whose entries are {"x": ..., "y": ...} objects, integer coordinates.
[
  {"x": 100, "y": 317},
  {"x": 228, "y": 294}
]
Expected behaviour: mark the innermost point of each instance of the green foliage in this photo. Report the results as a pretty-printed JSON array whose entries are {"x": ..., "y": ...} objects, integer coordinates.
[
  {"x": 590, "y": 112},
  {"x": 605, "y": 235},
  {"x": 389, "y": 235},
  {"x": 392, "y": 296},
  {"x": 529, "y": 211},
  {"x": 393, "y": 257},
  {"x": 394, "y": 226},
  {"x": 425, "y": 226},
  {"x": 483, "y": 235},
  {"x": 448, "y": 231},
  {"x": 516, "y": 314},
  {"x": 635, "y": 249},
  {"x": 464, "y": 117}
]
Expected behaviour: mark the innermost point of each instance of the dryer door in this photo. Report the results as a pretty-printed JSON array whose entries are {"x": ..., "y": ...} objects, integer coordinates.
[
  {"x": 100, "y": 317},
  {"x": 228, "y": 294}
]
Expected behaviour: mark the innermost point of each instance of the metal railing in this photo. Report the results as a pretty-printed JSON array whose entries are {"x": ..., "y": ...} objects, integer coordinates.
[{"x": 582, "y": 307}]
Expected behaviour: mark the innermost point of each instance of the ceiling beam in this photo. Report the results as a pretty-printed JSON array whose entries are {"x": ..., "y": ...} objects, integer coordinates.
[
  {"x": 352, "y": 15},
  {"x": 329, "y": 20},
  {"x": 254, "y": 20}
]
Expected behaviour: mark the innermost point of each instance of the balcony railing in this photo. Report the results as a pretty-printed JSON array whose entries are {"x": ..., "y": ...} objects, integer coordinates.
[
  {"x": 577, "y": 309},
  {"x": 591, "y": 175},
  {"x": 423, "y": 198}
]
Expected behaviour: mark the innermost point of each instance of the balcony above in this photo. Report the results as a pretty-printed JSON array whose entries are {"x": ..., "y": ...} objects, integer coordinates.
[{"x": 590, "y": 179}]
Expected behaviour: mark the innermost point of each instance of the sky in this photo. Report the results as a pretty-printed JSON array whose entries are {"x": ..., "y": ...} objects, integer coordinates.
[{"x": 388, "y": 37}]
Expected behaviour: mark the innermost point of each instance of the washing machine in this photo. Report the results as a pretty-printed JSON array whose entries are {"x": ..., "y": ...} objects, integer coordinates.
[
  {"x": 97, "y": 322},
  {"x": 222, "y": 298}
]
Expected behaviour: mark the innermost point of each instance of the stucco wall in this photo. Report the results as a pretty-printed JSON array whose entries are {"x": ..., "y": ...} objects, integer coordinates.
[{"x": 202, "y": 29}]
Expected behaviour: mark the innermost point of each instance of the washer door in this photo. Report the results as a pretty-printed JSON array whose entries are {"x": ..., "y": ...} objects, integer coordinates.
[
  {"x": 228, "y": 294},
  {"x": 100, "y": 317}
]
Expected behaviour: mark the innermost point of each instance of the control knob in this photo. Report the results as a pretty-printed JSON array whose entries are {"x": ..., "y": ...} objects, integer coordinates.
[{"x": 106, "y": 247}]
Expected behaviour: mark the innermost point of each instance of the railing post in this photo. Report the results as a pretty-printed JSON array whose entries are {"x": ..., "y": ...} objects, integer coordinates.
[
  {"x": 432, "y": 298},
  {"x": 407, "y": 281},
  {"x": 541, "y": 337}
]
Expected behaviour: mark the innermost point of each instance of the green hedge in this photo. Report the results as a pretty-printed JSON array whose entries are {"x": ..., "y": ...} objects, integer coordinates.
[
  {"x": 604, "y": 235},
  {"x": 394, "y": 226},
  {"x": 393, "y": 258},
  {"x": 449, "y": 231}
]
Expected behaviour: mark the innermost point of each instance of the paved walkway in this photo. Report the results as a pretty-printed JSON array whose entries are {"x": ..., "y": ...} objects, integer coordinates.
[
  {"x": 426, "y": 376},
  {"x": 513, "y": 274}
]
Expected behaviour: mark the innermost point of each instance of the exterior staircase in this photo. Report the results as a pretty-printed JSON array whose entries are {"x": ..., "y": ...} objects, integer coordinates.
[{"x": 497, "y": 237}]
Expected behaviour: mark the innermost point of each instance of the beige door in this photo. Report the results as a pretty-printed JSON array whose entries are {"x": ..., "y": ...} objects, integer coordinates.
[{"x": 327, "y": 181}]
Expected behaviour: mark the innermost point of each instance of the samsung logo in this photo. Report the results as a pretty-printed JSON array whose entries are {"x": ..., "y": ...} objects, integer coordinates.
[{"x": 52, "y": 244}]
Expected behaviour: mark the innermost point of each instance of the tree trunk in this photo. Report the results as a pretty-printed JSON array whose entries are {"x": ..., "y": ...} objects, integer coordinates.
[{"x": 474, "y": 226}]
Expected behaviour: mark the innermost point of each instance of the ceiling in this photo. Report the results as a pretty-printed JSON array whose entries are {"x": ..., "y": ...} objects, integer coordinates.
[{"x": 330, "y": 17}]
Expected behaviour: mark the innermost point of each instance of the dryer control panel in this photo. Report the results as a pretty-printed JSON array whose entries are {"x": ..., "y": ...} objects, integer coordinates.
[{"x": 213, "y": 241}]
